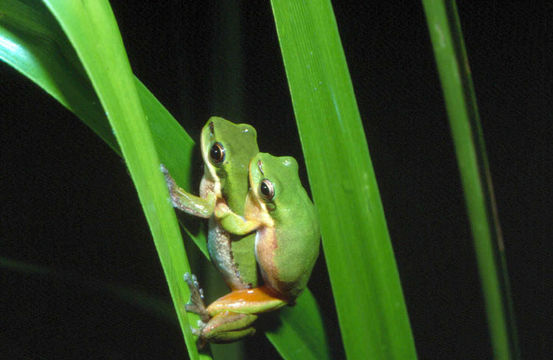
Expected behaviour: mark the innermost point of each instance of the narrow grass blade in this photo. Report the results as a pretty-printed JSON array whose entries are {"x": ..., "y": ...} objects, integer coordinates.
[
  {"x": 451, "y": 58},
  {"x": 365, "y": 281},
  {"x": 88, "y": 24},
  {"x": 300, "y": 334}
]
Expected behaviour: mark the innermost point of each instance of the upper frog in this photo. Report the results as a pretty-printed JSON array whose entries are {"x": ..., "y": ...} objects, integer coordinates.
[{"x": 226, "y": 149}]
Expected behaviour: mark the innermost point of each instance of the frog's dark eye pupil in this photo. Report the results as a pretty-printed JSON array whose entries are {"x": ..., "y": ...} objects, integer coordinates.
[
  {"x": 217, "y": 153},
  {"x": 267, "y": 190}
]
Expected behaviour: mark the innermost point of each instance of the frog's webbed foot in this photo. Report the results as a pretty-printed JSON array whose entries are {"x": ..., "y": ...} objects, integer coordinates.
[
  {"x": 197, "y": 331},
  {"x": 168, "y": 179},
  {"x": 196, "y": 303},
  {"x": 171, "y": 185},
  {"x": 190, "y": 204}
]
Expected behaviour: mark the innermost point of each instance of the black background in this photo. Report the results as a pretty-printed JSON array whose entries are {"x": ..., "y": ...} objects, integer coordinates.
[{"x": 69, "y": 206}]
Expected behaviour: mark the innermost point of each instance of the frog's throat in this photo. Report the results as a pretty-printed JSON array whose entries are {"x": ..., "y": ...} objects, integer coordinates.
[
  {"x": 214, "y": 179},
  {"x": 255, "y": 208}
]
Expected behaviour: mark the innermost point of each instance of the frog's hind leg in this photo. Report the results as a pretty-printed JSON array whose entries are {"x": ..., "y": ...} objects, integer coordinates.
[
  {"x": 196, "y": 303},
  {"x": 233, "y": 314},
  {"x": 230, "y": 317},
  {"x": 227, "y": 326},
  {"x": 251, "y": 301}
]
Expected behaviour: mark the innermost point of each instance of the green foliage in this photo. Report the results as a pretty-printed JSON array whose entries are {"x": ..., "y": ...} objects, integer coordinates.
[
  {"x": 86, "y": 25},
  {"x": 59, "y": 54},
  {"x": 355, "y": 236},
  {"x": 34, "y": 44},
  {"x": 453, "y": 66}
]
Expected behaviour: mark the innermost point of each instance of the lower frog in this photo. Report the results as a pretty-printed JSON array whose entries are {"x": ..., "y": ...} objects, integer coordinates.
[{"x": 287, "y": 237}]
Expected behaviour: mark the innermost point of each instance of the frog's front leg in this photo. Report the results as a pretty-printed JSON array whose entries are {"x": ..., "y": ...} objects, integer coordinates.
[
  {"x": 233, "y": 222},
  {"x": 191, "y": 204}
]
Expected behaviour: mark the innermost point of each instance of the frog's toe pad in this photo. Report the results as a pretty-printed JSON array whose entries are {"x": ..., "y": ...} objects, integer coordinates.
[
  {"x": 197, "y": 331},
  {"x": 193, "y": 284},
  {"x": 193, "y": 308},
  {"x": 196, "y": 304},
  {"x": 188, "y": 278}
]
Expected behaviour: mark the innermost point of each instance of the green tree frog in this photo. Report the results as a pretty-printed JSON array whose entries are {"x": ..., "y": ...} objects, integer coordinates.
[
  {"x": 226, "y": 149},
  {"x": 287, "y": 238}
]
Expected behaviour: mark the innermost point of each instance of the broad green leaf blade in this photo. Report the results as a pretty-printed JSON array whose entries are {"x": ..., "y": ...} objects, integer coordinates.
[
  {"x": 88, "y": 24},
  {"x": 32, "y": 42},
  {"x": 301, "y": 334},
  {"x": 451, "y": 58},
  {"x": 365, "y": 281}
]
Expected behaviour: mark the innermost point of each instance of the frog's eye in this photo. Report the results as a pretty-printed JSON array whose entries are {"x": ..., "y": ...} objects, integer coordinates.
[
  {"x": 267, "y": 190},
  {"x": 217, "y": 153}
]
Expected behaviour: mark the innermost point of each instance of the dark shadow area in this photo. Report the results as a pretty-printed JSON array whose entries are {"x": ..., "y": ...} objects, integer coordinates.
[{"x": 68, "y": 203}]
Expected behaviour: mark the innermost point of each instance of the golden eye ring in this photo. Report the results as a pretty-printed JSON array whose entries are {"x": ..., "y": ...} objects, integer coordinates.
[
  {"x": 267, "y": 190},
  {"x": 217, "y": 153}
]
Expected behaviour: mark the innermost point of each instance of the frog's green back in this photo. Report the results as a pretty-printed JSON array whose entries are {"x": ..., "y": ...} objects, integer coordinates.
[
  {"x": 240, "y": 146},
  {"x": 296, "y": 223}
]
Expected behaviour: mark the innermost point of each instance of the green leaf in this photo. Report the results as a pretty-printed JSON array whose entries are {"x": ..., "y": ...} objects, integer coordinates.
[
  {"x": 87, "y": 25},
  {"x": 451, "y": 58},
  {"x": 365, "y": 281},
  {"x": 32, "y": 42},
  {"x": 301, "y": 334}
]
